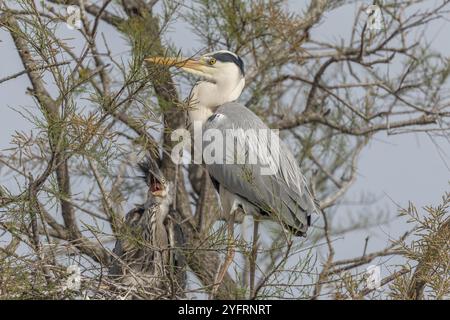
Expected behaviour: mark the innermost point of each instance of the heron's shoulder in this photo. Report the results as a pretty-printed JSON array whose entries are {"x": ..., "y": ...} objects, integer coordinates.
[
  {"x": 231, "y": 107},
  {"x": 238, "y": 114}
]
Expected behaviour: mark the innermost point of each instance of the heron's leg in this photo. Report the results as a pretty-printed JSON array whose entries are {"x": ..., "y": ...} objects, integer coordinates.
[{"x": 230, "y": 251}]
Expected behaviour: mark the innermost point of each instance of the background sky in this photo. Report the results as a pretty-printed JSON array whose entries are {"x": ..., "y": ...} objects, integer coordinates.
[{"x": 392, "y": 169}]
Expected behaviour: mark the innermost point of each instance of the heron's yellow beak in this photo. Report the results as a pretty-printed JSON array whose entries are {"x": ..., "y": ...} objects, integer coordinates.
[{"x": 186, "y": 64}]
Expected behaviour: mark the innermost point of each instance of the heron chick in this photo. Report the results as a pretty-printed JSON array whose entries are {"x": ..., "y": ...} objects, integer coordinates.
[{"x": 146, "y": 254}]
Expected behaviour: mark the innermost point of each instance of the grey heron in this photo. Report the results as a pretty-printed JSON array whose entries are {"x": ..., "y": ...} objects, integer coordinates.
[
  {"x": 146, "y": 253},
  {"x": 283, "y": 196}
]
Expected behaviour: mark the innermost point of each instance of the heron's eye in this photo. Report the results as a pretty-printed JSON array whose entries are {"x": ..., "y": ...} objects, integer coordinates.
[{"x": 212, "y": 61}]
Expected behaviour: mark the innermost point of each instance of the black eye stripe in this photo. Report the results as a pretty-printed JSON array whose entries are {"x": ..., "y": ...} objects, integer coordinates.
[{"x": 227, "y": 57}]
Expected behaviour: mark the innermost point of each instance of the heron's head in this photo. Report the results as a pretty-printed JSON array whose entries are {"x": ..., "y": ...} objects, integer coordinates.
[
  {"x": 157, "y": 183},
  {"x": 222, "y": 73},
  {"x": 218, "y": 66}
]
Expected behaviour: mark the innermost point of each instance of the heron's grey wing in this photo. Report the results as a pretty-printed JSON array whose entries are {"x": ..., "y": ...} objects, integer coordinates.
[{"x": 283, "y": 193}]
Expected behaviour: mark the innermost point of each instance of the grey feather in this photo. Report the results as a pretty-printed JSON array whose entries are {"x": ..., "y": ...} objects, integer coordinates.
[{"x": 283, "y": 195}]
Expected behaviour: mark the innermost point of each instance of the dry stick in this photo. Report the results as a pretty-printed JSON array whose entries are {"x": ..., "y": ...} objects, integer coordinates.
[
  {"x": 35, "y": 231},
  {"x": 366, "y": 258},
  {"x": 360, "y": 261},
  {"x": 331, "y": 199},
  {"x": 386, "y": 281},
  {"x": 263, "y": 281},
  {"x": 253, "y": 256},
  {"x": 324, "y": 273},
  {"x": 18, "y": 74},
  {"x": 366, "y": 242},
  {"x": 34, "y": 204},
  {"x": 314, "y": 117},
  {"x": 96, "y": 11}
]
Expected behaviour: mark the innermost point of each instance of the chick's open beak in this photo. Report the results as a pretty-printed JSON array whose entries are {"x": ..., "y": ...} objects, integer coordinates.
[
  {"x": 186, "y": 64},
  {"x": 156, "y": 187}
]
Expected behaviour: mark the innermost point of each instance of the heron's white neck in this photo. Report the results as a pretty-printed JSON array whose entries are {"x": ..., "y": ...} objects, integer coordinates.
[{"x": 207, "y": 96}]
